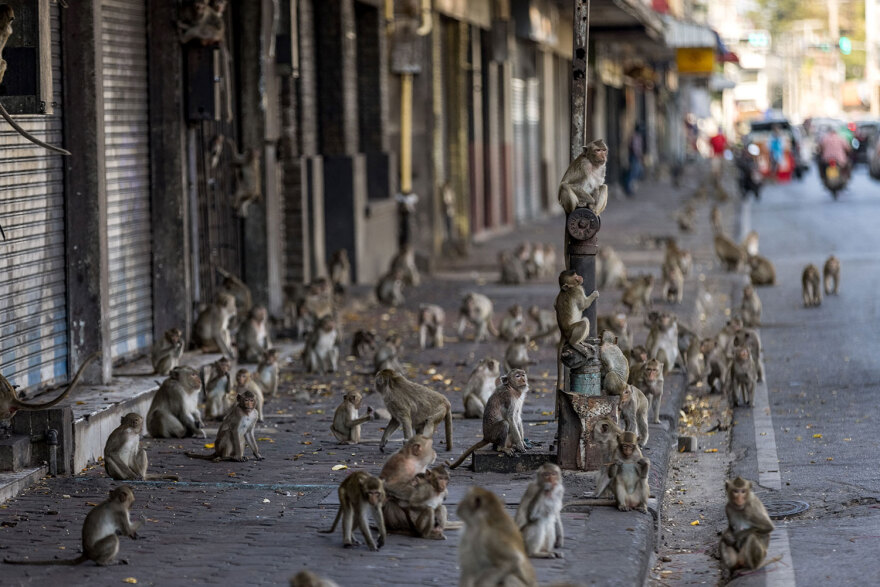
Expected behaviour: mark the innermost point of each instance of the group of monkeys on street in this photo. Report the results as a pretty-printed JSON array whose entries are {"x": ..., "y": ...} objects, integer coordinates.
[{"x": 527, "y": 261}]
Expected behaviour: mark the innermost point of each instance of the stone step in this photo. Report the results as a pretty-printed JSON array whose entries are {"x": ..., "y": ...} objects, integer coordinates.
[
  {"x": 15, "y": 453},
  {"x": 11, "y": 484}
]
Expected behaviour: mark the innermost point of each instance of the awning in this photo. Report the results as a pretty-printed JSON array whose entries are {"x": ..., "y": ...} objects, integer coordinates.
[{"x": 624, "y": 17}]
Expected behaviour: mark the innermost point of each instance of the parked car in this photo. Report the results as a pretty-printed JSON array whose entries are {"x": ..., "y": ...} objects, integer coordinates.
[
  {"x": 760, "y": 132},
  {"x": 865, "y": 131}
]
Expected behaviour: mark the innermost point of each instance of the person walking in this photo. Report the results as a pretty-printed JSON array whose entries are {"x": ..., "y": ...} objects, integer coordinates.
[{"x": 719, "y": 146}]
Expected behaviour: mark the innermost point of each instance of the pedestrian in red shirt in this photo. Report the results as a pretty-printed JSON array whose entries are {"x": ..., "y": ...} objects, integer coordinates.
[{"x": 719, "y": 145}]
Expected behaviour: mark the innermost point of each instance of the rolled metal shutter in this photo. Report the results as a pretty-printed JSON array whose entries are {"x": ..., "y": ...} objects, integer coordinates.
[
  {"x": 127, "y": 154},
  {"x": 521, "y": 181},
  {"x": 33, "y": 291}
]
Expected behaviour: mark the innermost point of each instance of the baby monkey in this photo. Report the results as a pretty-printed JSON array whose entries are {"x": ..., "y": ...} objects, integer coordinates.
[
  {"x": 236, "y": 429},
  {"x": 99, "y": 532},
  {"x": 358, "y": 493}
]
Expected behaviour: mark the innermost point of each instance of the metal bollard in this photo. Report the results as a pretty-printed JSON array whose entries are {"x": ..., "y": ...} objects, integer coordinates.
[{"x": 52, "y": 441}]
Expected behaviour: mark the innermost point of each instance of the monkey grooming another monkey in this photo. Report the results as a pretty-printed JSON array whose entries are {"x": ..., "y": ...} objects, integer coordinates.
[
  {"x": 583, "y": 184},
  {"x": 267, "y": 373},
  {"x": 236, "y": 430},
  {"x": 101, "y": 528},
  {"x": 412, "y": 406},
  {"x": 629, "y": 475},
  {"x": 219, "y": 395},
  {"x": 743, "y": 375},
  {"x": 211, "y": 330},
  {"x": 166, "y": 352},
  {"x": 502, "y": 419},
  {"x": 252, "y": 337},
  {"x": 124, "y": 459},
  {"x": 10, "y": 404},
  {"x": 810, "y": 280},
  {"x": 431, "y": 320},
  {"x": 479, "y": 387},
  {"x": 244, "y": 382},
  {"x": 571, "y": 301},
  {"x": 358, "y": 493},
  {"x": 539, "y": 516},
  {"x": 417, "y": 507},
  {"x": 751, "y": 307},
  {"x": 174, "y": 411},
  {"x": 745, "y": 541},
  {"x": 477, "y": 310},
  {"x": 831, "y": 275},
  {"x": 346, "y": 426},
  {"x": 491, "y": 550}
]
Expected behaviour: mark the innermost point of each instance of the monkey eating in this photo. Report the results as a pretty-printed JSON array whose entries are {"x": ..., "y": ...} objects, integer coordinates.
[
  {"x": 101, "y": 528},
  {"x": 10, "y": 404},
  {"x": 742, "y": 378},
  {"x": 539, "y": 516},
  {"x": 236, "y": 430},
  {"x": 166, "y": 352},
  {"x": 414, "y": 407},
  {"x": 346, "y": 426},
  {"x": 174, "y": 411},
  {"x": 583, "y": 184},
  {"x": 124, "y": 459},
  {"x": 358, "y": 493},
  {"x": 431, "y": 320},
  {"x": 479, "y": 387},
  {"x": 762, "y": 271},
  {"x": 751, "y": 307},
  {"x": 502, "y": 418},
  {"x": 571, "y": 301},
  {"x": 745, "y": 541}
]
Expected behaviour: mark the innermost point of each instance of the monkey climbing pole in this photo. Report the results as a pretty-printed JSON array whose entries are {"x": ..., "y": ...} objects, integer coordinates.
[{"x": 581, "y": 404}]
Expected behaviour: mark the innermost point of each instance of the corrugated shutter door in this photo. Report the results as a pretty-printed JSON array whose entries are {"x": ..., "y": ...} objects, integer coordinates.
[
  {"x": 126, "y": 143},
  {"x": 33, "y": 306},
  {"x": 520, "y": 163}
]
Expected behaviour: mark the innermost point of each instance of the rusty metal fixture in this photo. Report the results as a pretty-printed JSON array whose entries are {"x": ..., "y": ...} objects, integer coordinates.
[{"x": 577, "y": 450}]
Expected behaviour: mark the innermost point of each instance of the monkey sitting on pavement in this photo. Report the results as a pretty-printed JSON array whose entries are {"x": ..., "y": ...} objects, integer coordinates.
[
  {"x": 431, "y": 320},
  {"x": 346, "y": 426},
  {"x": 388, "y": 354},
  {"x": 517, "y": 354},
  {"x": 629, "y": 474},
  {"x": 245, "y": 382},
  {"x": 652, "y": 385},
  {"x": 211, "y": 330},
  {"x": 266, "y": 374},
  {"x": 745, "y": 541},
  {"x": 101, "y": 528},
  {"x": 389, "y": 289},
  {"x": 219, "y": 395},
  {"x": 751, "y": 307},
  {"x": 477, "y": 310},
  {"x": 364, "y": 343},
  {"x": 252, "y": 337},
  {"x": 404, "y": 262},
  {"x": 539, "y": 515},
  {"x": 340, "y": 271},
  {"x": 166, "y": 352},
  {"x": 358, "y": 493},
  {"x": 417, "y": 507},
  {"x": 512, "y": 324},
  {"x": 174, "y": 411},
  {"x": 124, "y": 459},
  {"x": 236, "y": 430},
  {"x": 321, "y": 351},
  {"x": 479, "y": 387}
]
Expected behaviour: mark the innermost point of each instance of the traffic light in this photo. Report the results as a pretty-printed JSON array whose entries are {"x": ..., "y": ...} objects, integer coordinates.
[{"x": 845, "y": 45}]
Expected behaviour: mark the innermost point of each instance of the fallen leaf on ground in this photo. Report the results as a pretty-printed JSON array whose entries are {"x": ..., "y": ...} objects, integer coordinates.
[
  {"x": 338, "y": 467},
  {"x": 131, "y": 580},
  {"x": 711, "y": 450},
  {"x": 695, "y": 523},
  {"x": 209, "y": 445}
]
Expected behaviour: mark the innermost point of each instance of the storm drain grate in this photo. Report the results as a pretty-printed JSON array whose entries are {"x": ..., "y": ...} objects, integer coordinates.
[{"x": 785, "y": 507}]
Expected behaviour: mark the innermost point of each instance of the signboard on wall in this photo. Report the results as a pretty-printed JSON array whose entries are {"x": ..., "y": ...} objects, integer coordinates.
[{"x": 695, "y": 60}]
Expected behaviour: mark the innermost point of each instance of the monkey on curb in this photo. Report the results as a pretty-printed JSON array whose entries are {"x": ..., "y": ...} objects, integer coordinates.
[
  {"x": 166, "y": 352},
  {"x": 100, "y": 542},
  {"x": 414, "y": 407},
  {"x": 742, "y": 378},
  {"x": 751, "y": 307},
  {"x": 652, "y": 385},
  {"x": 583, "y": 184},
  {"x": 745, "y": 541},
  {"x": 629, "y": 474},
  {"x": 502, "y": 419},
  {"x": 539, "y": 516},
  {"x": 211, "y": 330},
  {"x": 217, "y": 381},
  {"x": 236, "y": 430},
  {"x": 346, "y": 426},
  {"x": 124, "y": 459},
  {"x": 662, "y": 341},
  {"x": 614, "y": 366},
  {"x": 831, "y": 275},
  {"x": 10, "y": 404},
  {"x": 358, "y": 493},
  {"x": 571, "y": 301},
  {"x": 174, "y": 411},
  {"x": 479, "y": 387}
]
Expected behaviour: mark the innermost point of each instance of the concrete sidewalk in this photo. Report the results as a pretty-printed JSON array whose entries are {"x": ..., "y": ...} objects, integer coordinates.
[{"x": 255, "y": 523}]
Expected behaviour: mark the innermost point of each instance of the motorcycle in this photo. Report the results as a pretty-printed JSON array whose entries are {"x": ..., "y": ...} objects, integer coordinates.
[{"x": 835, "y": 178}]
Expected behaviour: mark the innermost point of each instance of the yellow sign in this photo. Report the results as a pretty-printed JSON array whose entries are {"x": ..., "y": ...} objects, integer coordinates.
[{"x": 695, "y": 60}]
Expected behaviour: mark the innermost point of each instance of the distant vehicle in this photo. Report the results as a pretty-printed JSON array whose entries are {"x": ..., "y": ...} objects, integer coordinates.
[
  {"x": 874, "y": 157},
  {"x": 865, "y": 132},
  {"x": 760, "y": 132}
]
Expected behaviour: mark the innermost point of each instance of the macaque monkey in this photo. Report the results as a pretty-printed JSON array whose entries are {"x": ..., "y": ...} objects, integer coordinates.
[
  {"x": 731, "y": 255},
  {"x": 717, "y": 364},
  {"x": 253, "y": 336},
  {"x": 615, "y": 367},
  {"x": 517, "y": 354},
  {"x": 166, "y": 352},
  {"x": 583, "y": 184},
  {"x": 388, "y": 354},
  {"x": 715, "y": 219},
  {"x": 695, "y": 359},
  {"x": 491, "y": 550},
  {"x": 617, "y": 325},
  {"x": 523, "y": 252},
  {"x": 812, "y": 291},
  {"x": 637, "y": 359},
  {"x": 605, "y": 433},
  {"x": 545, "y": 321},
  {"x": 652, "y": 386},
  {"x": 751, "y": 307},
  {"x": 629, "y": 475},
  {"x": 502, "y": 418},
  {"x": 512, "y": 324},
  {"x": 266, "y": 374},
  {"x": 100, "y": 532},
  {"x": 211, "y": 330},
  {"x": 9, "y": 402},
  {"x": 745, "y": 541},
  {"x": 539, "y": 516},
  {"x": 417, "y": 507},
  {"x": 203, "y": 21},
  {"x": 358, "y": 493},
  {"x": 340, "y": 271},
  {"x": 750, "y": 339},
  {"x": 610, "y": 270},
  {"x": 404, "y": 262},
  {"x": 124, "y": 459},
  {"x": 412, "y": 406},
  {"x": 236, "y": 430},
  {"x": 346, "y": 426},
  {"x": 662, "y": 341},
  {"x": 633, "y": 409},
  {"x": 675, "y": 255},
  {"x": 219, "y": 395},
  {"x": 245, "y": 383},
  {"x": 235, "y": 287},
  {"x": 7, "y": 16},
  {"x": 743, "y": 375},
  {"x": 431, "y": 320},
  {"x": 310, "y": 579},
  {"x": 250, "y": 183},
  {"x": 537, "y": 261},
  {"x": 413, "y": 458},
  {"x": 513, "y": 271},
  {"x": 571, "y": 301},
  {"x": 762, "y": 271},
  {"x": 750, "y": 243},
  {"x": 831, "y": 275},
  {"x": 479, "y": 387},
  {"x": 174, "y": 411},
  {"x": 321, "y": 351},
  {"x": 364, "y": 343},
  {"x": 637, "y": 295},
  {"x": 389, "y": 290},
  {"x": 477, "y": 310},
  {"x": 687, "y": 218},
  {"x": 673, "y": 283},
  {"x": 549, "y": 260}
]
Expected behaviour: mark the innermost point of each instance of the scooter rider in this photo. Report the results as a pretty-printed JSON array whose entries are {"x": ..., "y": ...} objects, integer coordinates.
[{"x": 834, "y": 147}]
